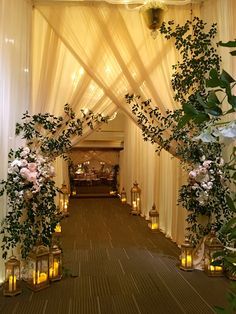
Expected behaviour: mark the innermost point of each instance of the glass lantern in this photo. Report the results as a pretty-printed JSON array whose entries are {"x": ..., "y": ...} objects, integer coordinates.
[
  {"x": 186, "y": 257},
  {"x": 123, "y": 196},
  {"x": 55, "y": 270},
  {"x": 154, "y": 218},
  {"x": 136, "y": 199},
  {"x": 64, "y": 200},
  {"x": 12, "y": 277},
  {"x": 212, "y": 245},
  {"x": 38, "y": 278}
]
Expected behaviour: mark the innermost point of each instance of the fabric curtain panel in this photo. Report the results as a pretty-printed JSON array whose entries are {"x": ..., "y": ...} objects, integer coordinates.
[
  {"x": 159, "y": 178},
  {"x": 15, "y": 32}
]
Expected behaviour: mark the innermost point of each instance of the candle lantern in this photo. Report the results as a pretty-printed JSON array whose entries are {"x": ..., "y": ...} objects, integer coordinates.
[
  {"x": 123, "y": 196},
  {"x": 186, "y": 257},
  {"x": 212, "y": 245},
  {"x": 154, "y": 218},
  {"x": 136, "y": 199},
  {"x": 55, "y": 270},
  {"x": 12, "y": 277},
  {"x": 64, "y": 200},
  {"x": 38, "y": 268}
]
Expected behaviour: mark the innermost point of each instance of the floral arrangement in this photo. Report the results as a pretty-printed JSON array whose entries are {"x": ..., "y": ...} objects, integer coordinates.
[
  {"x": 31, "y": 190},
  {"x": 32, "y": 214},
  {"x": 206, "y": 195}
]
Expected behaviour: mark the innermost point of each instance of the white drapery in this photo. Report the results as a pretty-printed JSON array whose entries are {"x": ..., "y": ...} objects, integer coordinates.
[
  {"x": 15, "y": 30},
  {"x": 159, "y": 178}
]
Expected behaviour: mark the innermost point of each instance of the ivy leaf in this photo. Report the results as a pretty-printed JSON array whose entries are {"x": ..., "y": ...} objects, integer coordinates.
[
  {"x": 183, "y": 121},
  {"x": 201, "y": 101},
  {"x": 214, "y": 79},
  {"x": 225, "y": 77},
  {"x": 230, "y": 203},
  {"x": 201, "y": 117},
  {"x": 231, "y": 43},
  {"x": 189, "y": 109},
  {"x": 232, "y": 101},
  {"x": 226, "y": 227},
  {"x": 214, "y": 111},
  {"x": 212, "y": 98}
]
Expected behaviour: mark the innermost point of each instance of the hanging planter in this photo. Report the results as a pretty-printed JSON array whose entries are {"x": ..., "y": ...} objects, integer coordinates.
[{"x": 153, "y": 14}]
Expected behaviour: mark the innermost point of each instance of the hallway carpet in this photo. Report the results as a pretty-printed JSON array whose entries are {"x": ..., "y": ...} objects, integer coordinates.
[{"x": 115, "y": 264}]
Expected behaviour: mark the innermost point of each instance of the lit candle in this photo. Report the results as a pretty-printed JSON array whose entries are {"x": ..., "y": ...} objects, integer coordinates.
[
  {"x": 55, "y": 268},
  {"x": 134, "y": 204},
  {"x": 43, "y": 277},
  {"x": 14, "y": 283},
  {"x": 218, "y": 268},
  {"x": 189, "y": 260},
  {"x": 34, "y": 277},
  {"x": 10, "y": 283},
  {"x": 38, "y": 277},
  {"x": 183, "y": 261},
  {"x": 51, "y": 272},
  {"x": 212, "y": 268},
  {"x": 154, "y": 225}
]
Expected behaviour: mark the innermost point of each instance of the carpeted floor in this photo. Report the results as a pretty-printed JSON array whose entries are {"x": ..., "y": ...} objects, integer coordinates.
[{"x": 115, "y": 264}]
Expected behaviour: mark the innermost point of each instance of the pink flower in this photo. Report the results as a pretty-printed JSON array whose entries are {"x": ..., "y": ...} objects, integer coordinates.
[
  {"x": 32, "y": 166},
  {"x": 31, "y": 177},
  {"x": 192, "y": 174},
  {"x": 24, "y": 172}
]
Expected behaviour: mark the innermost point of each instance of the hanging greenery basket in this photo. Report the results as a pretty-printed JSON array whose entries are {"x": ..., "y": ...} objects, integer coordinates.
[{"x": 153, "y": 17}]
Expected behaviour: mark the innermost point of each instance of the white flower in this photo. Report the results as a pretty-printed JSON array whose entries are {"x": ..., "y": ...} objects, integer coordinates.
[
  {"x": 210, "y": 185},
  {"x": 228, "y": 131},
  {"x": 26, "y": 149},
  {"x": 24, "y": 163},
  {"x": 203, "y": 158},
  {"x": 16, "y": 162},
  {"x": 204, "y": 185},
  {"x": 221, "y": 162},
  {"x": 206, "y": 137}
]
